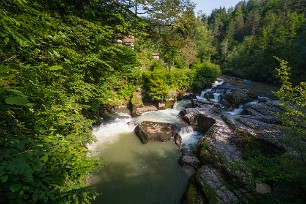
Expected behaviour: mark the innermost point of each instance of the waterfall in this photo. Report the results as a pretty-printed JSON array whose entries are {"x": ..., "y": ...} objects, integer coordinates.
[
  {"x": 189, "y": 137},
  {"x": 165, "y": 116},
  {"x": 178, "y": 105},
  {"x": 236, "y": 111},
  {"x": 109, "y": 133},
  {"x": 216, "y": 98},
  {"x": 203, "y": 94},
  {"x": 218, "y": 82}
]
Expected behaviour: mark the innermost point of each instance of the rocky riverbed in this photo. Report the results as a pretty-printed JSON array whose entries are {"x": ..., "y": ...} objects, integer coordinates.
[{"x": 232, "y": 120}]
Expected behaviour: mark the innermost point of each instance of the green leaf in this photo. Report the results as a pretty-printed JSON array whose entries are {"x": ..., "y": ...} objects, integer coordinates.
[
  {"x": 44, "y": 159},
  {"x": 4, "y": 178},
  {"x": 55, "y": 67},
  {"x": 15, "y": 187},
  {"x": 17, "y": 100},
  {"x": 6, "y": 40}
]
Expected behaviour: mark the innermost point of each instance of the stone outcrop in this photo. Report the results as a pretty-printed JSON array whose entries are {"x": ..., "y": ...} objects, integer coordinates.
[
  {"x": 136, "y": 103},
  {"x": 196, "y": 119},
  {"x": 237, "y": 97},
  {"x": 260, "y": 122},
  {"x": 138, "y": 111},
  {"x": 214, "y": 187},
  {"x": 154, "y": 131},
  {"x": 187, "y": 160},
  {"x": 221, "y": 148}
]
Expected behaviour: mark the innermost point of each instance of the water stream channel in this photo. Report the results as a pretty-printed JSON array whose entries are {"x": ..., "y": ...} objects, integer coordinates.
[
  {"x": 142, "y": 174},
  {"x": 134, "y": 172}
]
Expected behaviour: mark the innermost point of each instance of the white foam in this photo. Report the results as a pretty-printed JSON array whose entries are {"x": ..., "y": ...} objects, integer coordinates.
[
  {"x": 189, "y": 137},
  {"x": 110, "y": 132},
  {"x": 165, "y": 116},
  {"x": 178, "y": 105}
]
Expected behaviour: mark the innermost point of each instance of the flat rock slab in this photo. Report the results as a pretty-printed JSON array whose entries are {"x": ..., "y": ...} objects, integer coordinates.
[
  {"x": 138, "y": 111},
  {"x": 154, "y": 131},
  {"x": 213, "y": 186},
  {"x": 187, "y": 160}
]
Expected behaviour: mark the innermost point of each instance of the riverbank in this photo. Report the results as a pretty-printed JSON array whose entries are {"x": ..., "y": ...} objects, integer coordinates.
[{"x": 228, "y": 125}]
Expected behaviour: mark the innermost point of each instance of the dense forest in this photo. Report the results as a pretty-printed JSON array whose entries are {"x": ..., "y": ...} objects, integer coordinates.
[
  {"x": 60, "y": 63},
  {"x": 247, "y": 37}
]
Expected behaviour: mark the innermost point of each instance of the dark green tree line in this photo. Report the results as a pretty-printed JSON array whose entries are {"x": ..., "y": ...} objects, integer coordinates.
[{"x": 249, "y": 35}]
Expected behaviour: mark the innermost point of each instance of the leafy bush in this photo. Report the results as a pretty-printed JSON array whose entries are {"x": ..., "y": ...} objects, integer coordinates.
[
  {"x": 286, "y": 170},
  {"x": 205, "y": 74},
  {"x": 157, "y": 84},
  {"x": 55, "y": 72}
]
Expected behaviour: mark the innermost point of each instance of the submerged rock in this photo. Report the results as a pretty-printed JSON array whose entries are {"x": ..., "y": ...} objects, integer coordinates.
[{"x": 154, "y": 131}]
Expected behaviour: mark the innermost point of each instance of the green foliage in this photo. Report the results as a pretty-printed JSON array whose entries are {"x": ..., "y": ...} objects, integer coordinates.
[
  {"x": 286, "y": 170},
  {"x": 160, "y": 81},
  {"x": 294, "y": 102},
  {"x": 205, "y": 74},
  {"x": 157, "y": 84},
  {"x": 248, "y": 37},
  {"x": 57, "y": 66},
  {"x": 192, "y": 195}
]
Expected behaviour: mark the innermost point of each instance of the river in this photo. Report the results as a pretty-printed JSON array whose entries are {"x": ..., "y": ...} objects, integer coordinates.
[{"x": 137, "y": 173}]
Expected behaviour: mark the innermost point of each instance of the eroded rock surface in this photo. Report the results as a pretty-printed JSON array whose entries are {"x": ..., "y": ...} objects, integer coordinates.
[
  {"x": 154, "y": 131},
  {"x": 214, "y": 187},
  {"x": 237, "y": 97},
  {"x": 136, "y": 103},
  {"x": 221, "y": 148}
]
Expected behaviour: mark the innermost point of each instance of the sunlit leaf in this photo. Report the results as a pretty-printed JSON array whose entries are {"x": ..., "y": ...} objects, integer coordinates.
[
  {"x": 17, "y": 100},
  {"x": 55, "y": 67}
]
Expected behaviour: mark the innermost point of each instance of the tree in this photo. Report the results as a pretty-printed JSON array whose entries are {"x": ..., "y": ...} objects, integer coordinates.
[
  {"x": 189, "y": 52},
  {"x": 203, "y": 41}
]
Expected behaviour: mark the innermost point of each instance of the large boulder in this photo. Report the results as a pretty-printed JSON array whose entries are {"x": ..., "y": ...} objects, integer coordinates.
[
  {"x": 237, "y": 97},
  {"x": 213, "y": 186},
  {"x": 154, "y": 131},
  {"x": 260, "y": 122},
  {"x": 197, "y": 119}
]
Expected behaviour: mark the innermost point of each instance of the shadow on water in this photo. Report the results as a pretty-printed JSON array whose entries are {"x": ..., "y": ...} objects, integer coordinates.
[{"x": 137, "y": 173}]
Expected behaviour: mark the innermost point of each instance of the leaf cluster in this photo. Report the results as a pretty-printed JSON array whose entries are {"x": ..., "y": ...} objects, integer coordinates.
[{"x": 58, "y": 64}]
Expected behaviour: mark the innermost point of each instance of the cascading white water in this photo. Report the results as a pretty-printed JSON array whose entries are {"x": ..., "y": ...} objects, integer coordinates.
[
  {"x": 202, "y": 96},
  {"x": 236, "y": 111},
  {"x": 239, "y": 110},
  {"x": 218, "y": 82},
  {"x": 189, "y": 137},
  {"x": 216, "y": 98},
  {"x": 166, "y": 116},
  {"x": 178, "y": 105},
  {"x": 109, "y": 133}
]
